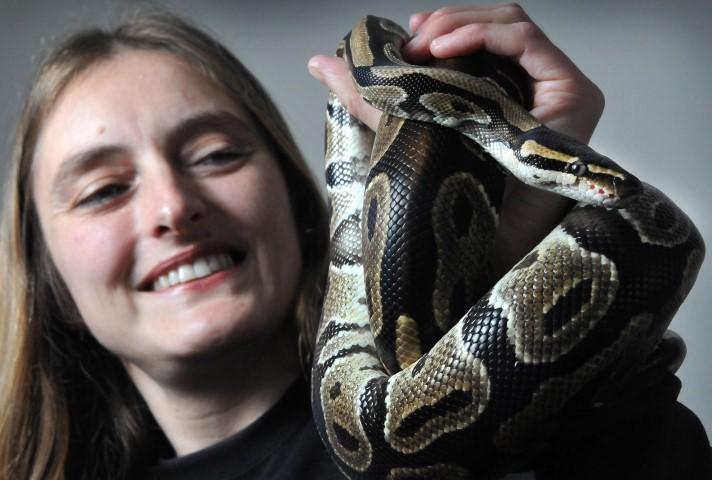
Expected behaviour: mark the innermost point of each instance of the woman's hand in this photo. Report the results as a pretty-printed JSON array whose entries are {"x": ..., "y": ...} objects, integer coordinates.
[{"x": 564, "y": 99}]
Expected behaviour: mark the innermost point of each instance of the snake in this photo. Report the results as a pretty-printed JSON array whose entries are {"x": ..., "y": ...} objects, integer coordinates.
[{"x": 425, "y": 366}]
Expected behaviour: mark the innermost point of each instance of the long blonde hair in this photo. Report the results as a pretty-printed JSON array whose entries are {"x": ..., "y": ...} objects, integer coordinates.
[{"x": 67, "y": 407}]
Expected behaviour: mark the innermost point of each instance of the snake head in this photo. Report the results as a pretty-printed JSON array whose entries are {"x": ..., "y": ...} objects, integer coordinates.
[{"x": 567, "y": 167}]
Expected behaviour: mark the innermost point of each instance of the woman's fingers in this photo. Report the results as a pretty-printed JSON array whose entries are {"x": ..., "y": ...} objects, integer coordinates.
[
  {"x": 564, "y": 98},
  {"x": 334, "y": 74},
  {"x": 429, "y": 26}
]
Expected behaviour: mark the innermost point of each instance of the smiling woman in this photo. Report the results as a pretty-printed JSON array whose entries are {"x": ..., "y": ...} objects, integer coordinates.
[{"x": 150, "y": 244}]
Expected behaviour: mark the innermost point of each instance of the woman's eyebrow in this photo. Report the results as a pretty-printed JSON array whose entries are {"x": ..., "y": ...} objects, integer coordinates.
[
  {"x": 79, "y": 163},
  {"x": 222, "y": 121}
]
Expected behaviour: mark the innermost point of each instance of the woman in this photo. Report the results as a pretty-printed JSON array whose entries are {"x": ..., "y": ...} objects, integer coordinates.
[
  {"x": 164, "y": 250},
  {"x": 79, "y": 407}
]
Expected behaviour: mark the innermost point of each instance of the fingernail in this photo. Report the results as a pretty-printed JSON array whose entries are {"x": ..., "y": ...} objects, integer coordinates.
[
  {"x": 315, "y": 69},
  {"x": 435, "y": 44},
  {"x": 439, "y": 43}
]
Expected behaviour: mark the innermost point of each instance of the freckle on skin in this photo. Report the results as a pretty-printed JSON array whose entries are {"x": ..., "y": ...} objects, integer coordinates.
[{"x": 101, "y": 130}]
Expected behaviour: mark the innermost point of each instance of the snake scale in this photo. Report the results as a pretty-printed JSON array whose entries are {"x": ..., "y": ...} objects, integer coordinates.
[{"x": 425, "y": 366}]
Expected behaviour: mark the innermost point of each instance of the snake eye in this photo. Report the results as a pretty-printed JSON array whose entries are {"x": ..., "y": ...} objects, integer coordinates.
[{"x": 576, "y": 168}]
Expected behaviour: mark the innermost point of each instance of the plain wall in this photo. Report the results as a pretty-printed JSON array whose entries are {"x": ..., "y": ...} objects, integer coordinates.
[{"x": 651, "y": 58}]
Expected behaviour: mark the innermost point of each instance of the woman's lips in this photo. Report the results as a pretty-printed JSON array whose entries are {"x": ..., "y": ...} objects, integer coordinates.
[
  {"x": 187, "y": 272},
  {"x": 190, "y": 266}
]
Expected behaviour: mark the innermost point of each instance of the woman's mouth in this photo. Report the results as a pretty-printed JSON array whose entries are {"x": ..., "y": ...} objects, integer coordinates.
[{"x": 195, "y": 269}]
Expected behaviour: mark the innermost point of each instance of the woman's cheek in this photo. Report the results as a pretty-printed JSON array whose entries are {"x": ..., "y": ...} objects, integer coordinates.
[{"x": 93, "y": 257}]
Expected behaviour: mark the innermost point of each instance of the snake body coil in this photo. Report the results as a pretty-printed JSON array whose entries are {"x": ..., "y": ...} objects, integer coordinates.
[{"x": 425, "y": 366}]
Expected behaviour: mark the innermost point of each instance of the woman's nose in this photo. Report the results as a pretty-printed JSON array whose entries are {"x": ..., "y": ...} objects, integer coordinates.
[{"x": 171, "y": 203}]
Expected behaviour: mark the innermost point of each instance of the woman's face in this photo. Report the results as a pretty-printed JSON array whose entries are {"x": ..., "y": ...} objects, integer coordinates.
[{"x": 165, "y": 212}]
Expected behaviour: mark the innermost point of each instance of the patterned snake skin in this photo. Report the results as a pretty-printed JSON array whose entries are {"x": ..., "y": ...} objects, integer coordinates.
[{"x": 425, "y": 365}]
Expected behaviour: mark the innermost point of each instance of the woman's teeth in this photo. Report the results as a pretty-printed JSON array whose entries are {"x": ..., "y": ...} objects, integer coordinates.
[{"x": 190, "y": 271}]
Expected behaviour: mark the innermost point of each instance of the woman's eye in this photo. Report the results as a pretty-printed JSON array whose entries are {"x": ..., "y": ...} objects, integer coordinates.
[
  {"x": 223, "y": 156},
  {"x": 103, "y": 195}
]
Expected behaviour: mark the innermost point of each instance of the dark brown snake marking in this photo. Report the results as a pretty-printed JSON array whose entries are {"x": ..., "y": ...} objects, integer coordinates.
[{"x": 426, "y": 367}]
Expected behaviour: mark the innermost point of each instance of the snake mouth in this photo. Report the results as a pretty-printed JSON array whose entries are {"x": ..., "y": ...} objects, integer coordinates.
[{"x": 606, "y": 192}]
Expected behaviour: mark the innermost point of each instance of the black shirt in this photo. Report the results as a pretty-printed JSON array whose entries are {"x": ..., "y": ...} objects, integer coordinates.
[
  {"x": 282, "y": 444},
  {"x": 650, "y": 436}
]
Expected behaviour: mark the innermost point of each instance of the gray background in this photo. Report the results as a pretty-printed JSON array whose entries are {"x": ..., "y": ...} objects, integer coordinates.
[{"x": 651, "y": 59}]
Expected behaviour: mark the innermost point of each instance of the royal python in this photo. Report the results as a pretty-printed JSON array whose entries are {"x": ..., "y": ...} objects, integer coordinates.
[{"x": 425, "y": 366}]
